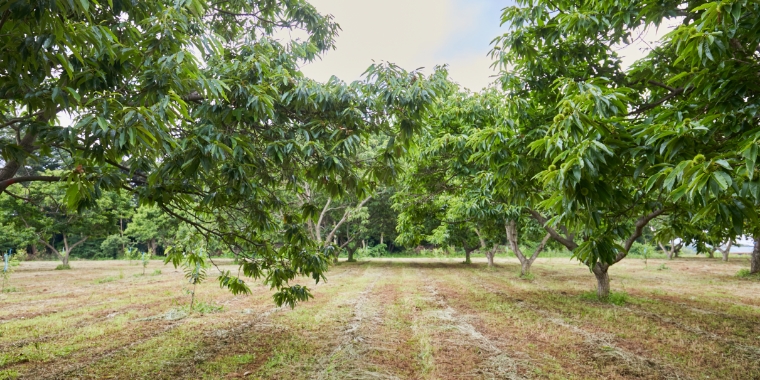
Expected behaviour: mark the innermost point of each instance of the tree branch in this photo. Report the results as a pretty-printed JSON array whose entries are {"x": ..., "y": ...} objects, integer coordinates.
[
  {"x": 566, "y": 241},
  {"x": 640, "y": 224},
  {"x": 32, "y": 178},
  {"x": 344, "y": 218},
  {"x": 78, "y": 243}
]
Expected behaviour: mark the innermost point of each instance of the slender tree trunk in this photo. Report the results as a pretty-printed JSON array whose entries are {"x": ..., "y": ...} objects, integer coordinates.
[
  {"x": 152, "y": 246},
  {"x": 754, "y": 264},
  {"x": 602, "y": 280},
  {"x": 480, "y": 238},
  {"x": 381, "y": 237},
  {"x": 711, "y": 254},
  {"x": 121, "y": 233}
]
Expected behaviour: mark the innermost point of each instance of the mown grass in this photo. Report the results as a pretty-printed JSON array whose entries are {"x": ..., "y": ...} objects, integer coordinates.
[{"x": 402, "y": 318}]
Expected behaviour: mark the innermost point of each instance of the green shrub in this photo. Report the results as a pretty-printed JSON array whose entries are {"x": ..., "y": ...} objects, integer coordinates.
[
  {"x": 157, "y": 272},
  {"x": 615, "y": 298},
  {"x": 744, "y": 273},
  {"x": 663, "y": 267},
  {"x": 63, "y": 267}
]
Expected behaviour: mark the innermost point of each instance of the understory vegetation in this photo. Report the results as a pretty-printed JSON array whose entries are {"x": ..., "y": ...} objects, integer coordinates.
[{"x": 581, "y": 216}]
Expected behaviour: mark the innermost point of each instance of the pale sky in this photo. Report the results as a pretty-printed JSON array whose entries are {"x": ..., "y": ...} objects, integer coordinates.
[{"x": 412, "y": 34}]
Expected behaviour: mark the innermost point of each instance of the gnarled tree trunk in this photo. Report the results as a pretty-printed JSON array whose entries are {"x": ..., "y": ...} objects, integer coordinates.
[{"x": 602, "y": 280}]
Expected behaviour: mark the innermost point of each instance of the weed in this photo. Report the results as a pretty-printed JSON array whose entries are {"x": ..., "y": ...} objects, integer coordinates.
[
  {"x": 157, "y": 272},
  {"x": 206, "y": 308},
  {"x": 63, "y": 267},
  {"x": 615, "y": 298},
  {"x": 11, "y": 289},
  {"x": 106, "y": 279},
  {"x": 745, "y": 274},
  {"x": 663, "y": 267},
  {"x": 528, "y": 276}
]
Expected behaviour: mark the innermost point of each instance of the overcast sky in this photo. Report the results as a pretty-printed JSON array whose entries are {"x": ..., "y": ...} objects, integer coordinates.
[
  {"x": 424, "y": 33},
  {"x": 412, "y": 34}
]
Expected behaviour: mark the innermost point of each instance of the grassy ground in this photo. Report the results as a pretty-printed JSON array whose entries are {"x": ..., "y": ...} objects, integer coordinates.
[{"x": 400, "y": 318}]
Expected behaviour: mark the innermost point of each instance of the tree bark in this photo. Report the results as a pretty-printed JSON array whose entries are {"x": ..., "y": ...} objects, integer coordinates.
[
  {"x": 381, "y": 237},
  {"x": 490, "y": 254},
  {"x": 351, "y": 255},
  {"x": 754, "y": 263},
  {"x": 727, "y": 250},
  {"x": 602, "y": 281},
  {"x": 482, "y": 241}
]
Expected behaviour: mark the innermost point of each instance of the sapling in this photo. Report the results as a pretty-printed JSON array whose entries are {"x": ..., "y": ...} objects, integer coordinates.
[
  {"x": 145, "y": 261},
  {"x": 10, "y": 261}
]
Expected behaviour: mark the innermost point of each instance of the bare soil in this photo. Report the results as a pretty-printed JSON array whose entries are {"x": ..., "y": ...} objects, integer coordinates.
[{"x": 688, "y": 318}]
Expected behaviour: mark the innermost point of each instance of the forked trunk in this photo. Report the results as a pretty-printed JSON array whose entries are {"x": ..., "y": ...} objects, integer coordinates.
[
  {"x": 754, "y": 263},
  {"x": 602, "y": 281},
  {"x": 489, "y": 255}
]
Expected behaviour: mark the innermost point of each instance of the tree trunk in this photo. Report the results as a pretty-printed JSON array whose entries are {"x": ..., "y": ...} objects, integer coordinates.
[
  {"x": 152, "y": 246},
  {"x": 350, "y": 255},
  {"x": 711, "y": 254},
  {"x": 602, "y": 281},
  {"x": 754, "y": 263},
  {"x": 482, "y": 241},
  {"x": 490, "y": 254},
  {"x": 467, "y": 255},
  {"x": 382, "y": 235},
  {"x": 525, "y": 267},
  {"x": 727, "y": 250}
]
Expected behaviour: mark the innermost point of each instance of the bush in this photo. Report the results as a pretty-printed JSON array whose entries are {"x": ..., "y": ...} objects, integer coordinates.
[
  {"x": 642, "y": 250},
  {"x": 376, "y": 251},
  {"x": 111, "y": 246},
  {"x": 63, "y": 267},
  {"x": 744, "y": 273}
]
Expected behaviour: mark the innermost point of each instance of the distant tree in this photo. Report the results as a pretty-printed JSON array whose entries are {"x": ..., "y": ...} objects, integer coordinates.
[
  {"x": 47, "y": 214},
  {"x": 152, "y": 226}
]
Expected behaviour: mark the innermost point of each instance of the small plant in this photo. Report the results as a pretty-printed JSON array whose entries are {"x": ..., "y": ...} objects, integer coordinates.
[
  {"x": 528, "y": 276},
  {"x": 745, "y": 274},
  {"x": 145, "y": 261},
  {"x": 206, "y": 308},
  {"x": 106, "y": 279},
  {"x": 130, "y": 254},
  {"x": 663, "y": 267},
  {"x": 615, "y": 298},
  {"x": 63, "y": 267},
  {"x": 194, "y": 263},
  {"x": 10, "y": 261},
  {"x": 157, "y": 272}
]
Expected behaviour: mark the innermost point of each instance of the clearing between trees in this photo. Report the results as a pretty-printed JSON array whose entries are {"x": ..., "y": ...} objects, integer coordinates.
[{"x": 688, "y": 318}]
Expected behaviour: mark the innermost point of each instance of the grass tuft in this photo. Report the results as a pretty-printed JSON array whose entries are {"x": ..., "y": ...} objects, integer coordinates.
[
  {"x": 745, "y": 274},
  {"x": 63, "y": 267},
  {"x": 663, "y": 267},
  {"x": 615, "y": 298},
  {"x": 528, "y": 276}
]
